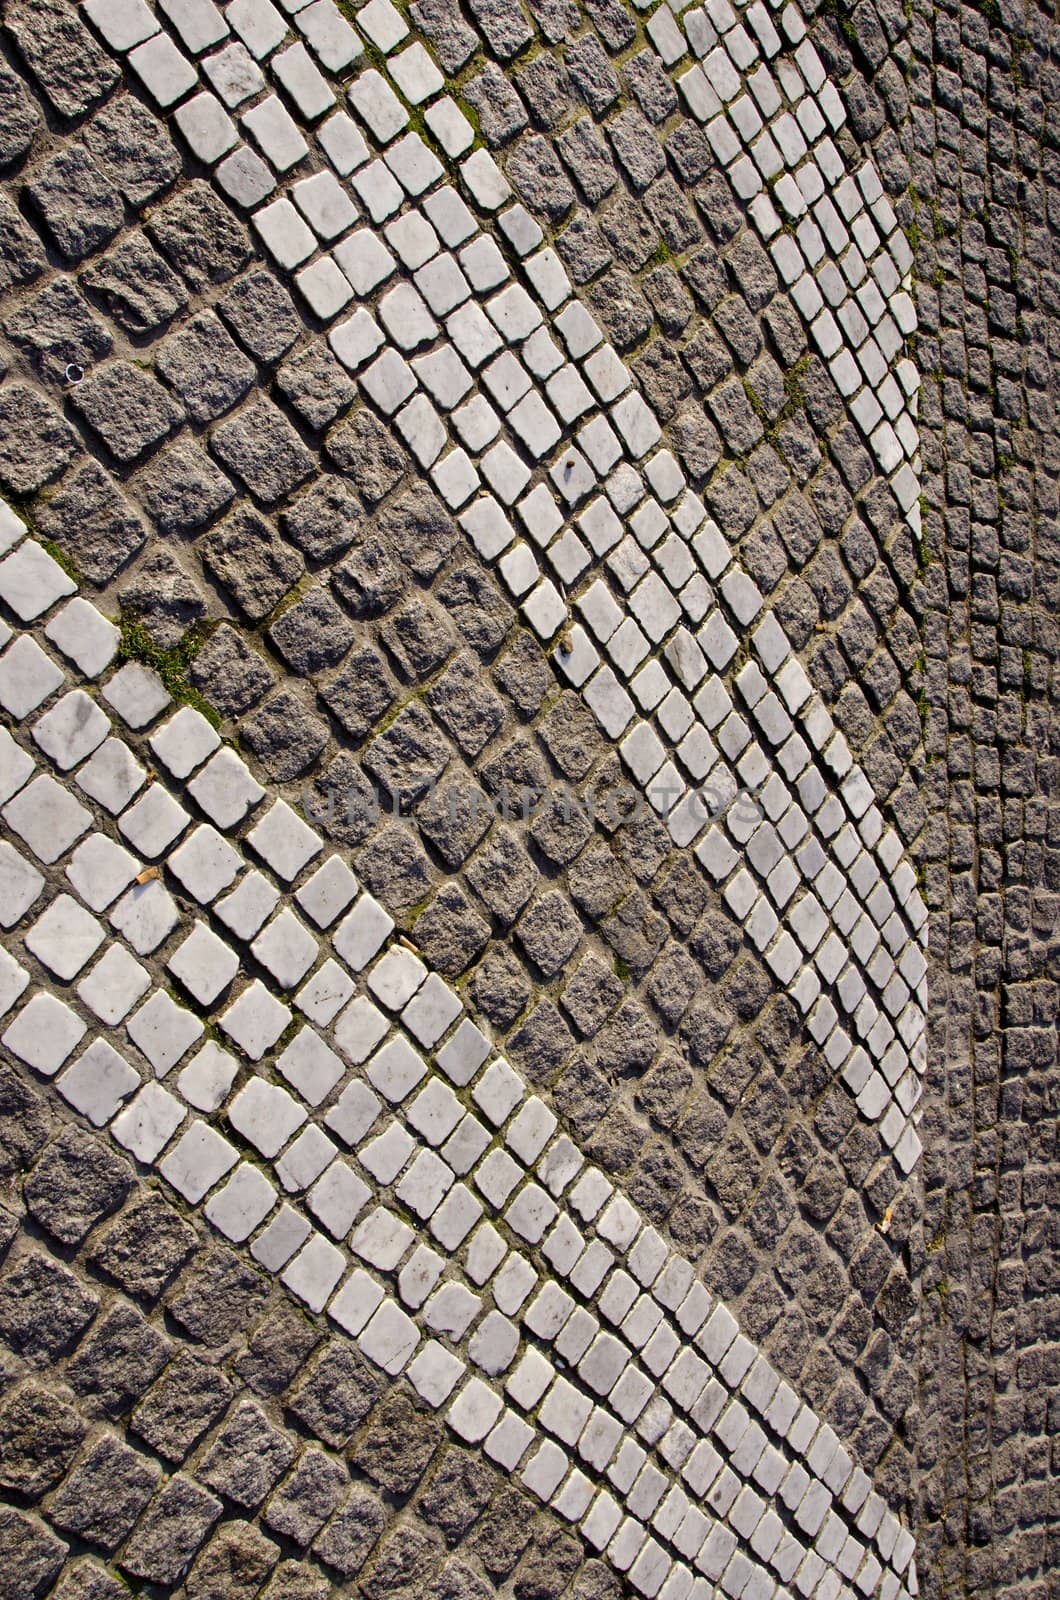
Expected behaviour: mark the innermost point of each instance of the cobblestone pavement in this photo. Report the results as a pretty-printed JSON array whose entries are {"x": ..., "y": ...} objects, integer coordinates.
[{"x": 528, "y": 626}]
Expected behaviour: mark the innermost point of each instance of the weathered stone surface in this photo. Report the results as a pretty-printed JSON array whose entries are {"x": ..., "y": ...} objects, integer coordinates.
[
  {"x": 502, "y": 1533},
  {"x": 503, "y": 874},
  {"x": 361, "y": 446},
  {"x": 545, "y": 87},
  {"x": 479, "y": 612},
  {"x": 285, "y": 735},
  {"x": 206, "y": 368},
  {"x": 592, "y": 73},
  {"x": 549, "y": 931},
  {"x": 548, "y": 1566},
  {"x": 501, "y": 113},
  {"x": 409, "y": 756},
  {"x": 465, "y": 705},
  {"x": 19, "y": 117},
  {"x": 216, "y": 1297},
  {"x": 144, "y": 1247},
  {"x": 361, "y": 693},
  {"x": 450, "y": 35},
  {"x": 30, "y": 1554},
  {"x": 247, "y": 555},
  {"x": 246, "y": 1457},
  {"x": 591, "y": 994},
  {"x": 500, "y": 986},
  {"x": 21, "y": 256},
  {"x": 421, "y": 530},
  {"x": 542, "y": 1042},
  {"x": 233, "y": 1565},
  {"x": 454, "y": 819},
  {"x": 654, "y": 91},
  {"x": 261, "y": 314},
  {"x": 397, "y": 1444},
  {"x": 317, "y": 385},
  {"x": 162, "y": 594},
  {"x": 292, "y": 1581},
  {"x": 79, "y": 208},
  {"x": 170, "y": 1531},
  {"x": 334, "y": 1396},
  {"x": 621, "y": 308},
  {"x": 418, "y": 637},
  {"x": 200, "y": 236},
  {"x": 458, "y": 1581},
  {"x": 589, "y": 161},
  {"x": 260, "y": 447},
  {"x": 231, "y": 675},
  {"x": 76, "y": 1182},
  {"x": 135, "y": 285},
  {"x": 369, "y": 579},
  {"x": 129, "y": 410},
  {"x": 184, "y": 1401},
  {"x": 345, "y": 806},
  {"x": 44, "y": 1308},
  {"x": 39, "y": 1436},
  {"x": 65, "y": 59},
  {"x": 182, "y": 489},
  {"x": 56, "y": 328},
  {"x": 36, "y": 443},
  {"x": 89, "y": 517},
  {"x": 312, "y": 634},
  {"x": 349, "y": 1537},
  {"x": 105, "y": 1493},
  {"x": 405, "y": 1561},
  {"x": 458, "y": 1494},
  {"x": 132, "y": 149},
  {"x": 307, "y": 1497},
  {"x": 522, "y": 672},
  {"x": 325, "y": 521},
  {"x": 536, "y": 173},
  {"x": 450, "y": 932},
  {"x": 85, "y": 1580},
  {"x": 393, "y": 864},
  {"x": 116, "y": 1361}
]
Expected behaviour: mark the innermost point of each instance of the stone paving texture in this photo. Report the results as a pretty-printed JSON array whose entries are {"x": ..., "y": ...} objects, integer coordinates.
[{"x": 458, "y": 1195}]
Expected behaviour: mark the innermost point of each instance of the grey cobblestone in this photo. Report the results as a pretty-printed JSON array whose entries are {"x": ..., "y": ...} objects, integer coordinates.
[{"x": 764, "y": 1101}]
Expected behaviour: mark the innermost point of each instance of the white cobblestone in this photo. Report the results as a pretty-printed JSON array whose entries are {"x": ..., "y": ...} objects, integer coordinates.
[
  {"x": 98, "y": 1082},
  {"x": 44, "y": 1033}
]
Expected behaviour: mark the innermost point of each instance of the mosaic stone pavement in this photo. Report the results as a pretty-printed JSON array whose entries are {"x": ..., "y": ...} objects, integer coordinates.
[{"x": 511, "y": 1197}]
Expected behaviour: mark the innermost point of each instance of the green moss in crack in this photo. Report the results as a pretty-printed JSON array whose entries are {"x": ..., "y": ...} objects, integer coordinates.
[
  {"x": 794, "y": 399},
  {"x": 33, "y": 530},
  {"x": 469, "y": 111},
  {"x": 136, "y": 644},
  {"x": 841, "y": 18},
  {"x": 61, "y": 559}
]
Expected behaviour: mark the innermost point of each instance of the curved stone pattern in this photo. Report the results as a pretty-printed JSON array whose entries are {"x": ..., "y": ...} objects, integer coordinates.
[
  {"x": 377, "y": 360},
  {"x": 676, "y": 569},
  {"x": 748, "y": 1548},
  {"x": 379, "y": 1208}
]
